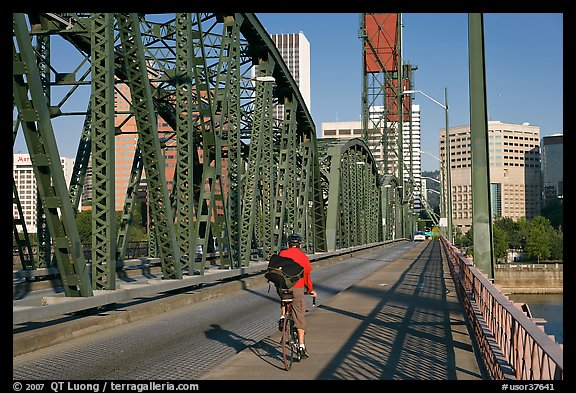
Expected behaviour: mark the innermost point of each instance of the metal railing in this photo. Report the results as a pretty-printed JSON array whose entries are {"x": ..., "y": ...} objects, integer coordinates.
[{"x": 511, "y": 344}]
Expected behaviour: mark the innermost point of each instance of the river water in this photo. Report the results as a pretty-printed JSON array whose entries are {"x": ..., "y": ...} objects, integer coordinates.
[{"x": 546, "y": 306}]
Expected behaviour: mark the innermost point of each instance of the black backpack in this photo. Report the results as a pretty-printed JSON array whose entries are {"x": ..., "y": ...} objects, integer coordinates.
[{"x": 283, "y": 272}]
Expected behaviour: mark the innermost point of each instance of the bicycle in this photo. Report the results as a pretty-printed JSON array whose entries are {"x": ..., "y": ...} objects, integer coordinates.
[{"x": 290, "y": 341}]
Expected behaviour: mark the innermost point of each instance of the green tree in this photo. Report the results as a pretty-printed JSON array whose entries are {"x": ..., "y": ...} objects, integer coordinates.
[
  {"x": 468, "y": 238},
  {"x": 557, "y": 245},
  {"x": 137, "y": 230},
  {"x": 539, "y": 231},
  {"x": 458, "y": 235},
  {"x": 554, "y": 211},
  {"x": 522, "y": 234},
  {"x": 500, "y": 242},
  {"x": 84, "y": 222},
  {"x": 512, "y": 230}
]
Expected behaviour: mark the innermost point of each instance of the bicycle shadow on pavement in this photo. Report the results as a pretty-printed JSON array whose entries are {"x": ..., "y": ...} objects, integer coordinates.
[
  {"x": 269, "y": 351},
  {"x": 228, "y": 337}
]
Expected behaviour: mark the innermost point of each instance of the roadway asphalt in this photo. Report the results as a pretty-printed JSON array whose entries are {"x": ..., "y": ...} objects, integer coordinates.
[{"x": 403, "y": 322}]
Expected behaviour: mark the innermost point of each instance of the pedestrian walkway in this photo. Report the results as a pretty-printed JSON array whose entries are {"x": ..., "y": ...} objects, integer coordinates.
[{"x": 404, "y": 322}]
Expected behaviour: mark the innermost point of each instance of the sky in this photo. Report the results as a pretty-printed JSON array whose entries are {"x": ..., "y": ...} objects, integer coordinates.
[
  {"x": 524, "y": 70},
  {"x": 523, "y": 55}
]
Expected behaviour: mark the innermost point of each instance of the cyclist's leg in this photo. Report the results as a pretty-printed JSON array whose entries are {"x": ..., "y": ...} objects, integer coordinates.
[
  {"x": 282, "y": 307},
  {"x": 298, "y": 313}
]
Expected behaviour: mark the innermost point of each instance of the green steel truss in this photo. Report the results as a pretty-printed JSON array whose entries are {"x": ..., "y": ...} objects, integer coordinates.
[
  {"x": 185, "y": 138},
  {"x": 353, "y": 210},
  {"x": 243, "y": 180},
  {"x": 34, "y": 116},
  {"x": 149, "y": 143},
  {"x": 102, "y": 138}
]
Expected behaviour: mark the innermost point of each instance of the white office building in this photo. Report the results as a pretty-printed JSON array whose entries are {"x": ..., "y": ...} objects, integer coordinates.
[
  {"x": 25, "y": 181},
  {"x": 295, "y": 50}
]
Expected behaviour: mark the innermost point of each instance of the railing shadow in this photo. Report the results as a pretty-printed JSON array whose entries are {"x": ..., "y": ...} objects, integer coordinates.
[{"x": 409, "y": 334}]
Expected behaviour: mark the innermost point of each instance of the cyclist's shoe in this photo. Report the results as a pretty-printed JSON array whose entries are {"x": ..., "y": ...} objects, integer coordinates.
[
  {"x": 281, "y": 323},
  {"x": 303, "y": 353}
]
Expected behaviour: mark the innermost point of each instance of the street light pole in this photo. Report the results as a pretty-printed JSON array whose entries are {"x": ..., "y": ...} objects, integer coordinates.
[
  {"x": 448, "y": 197},
  {"x": 448, "y": 170},
  {"x": 442, "y": 180}
]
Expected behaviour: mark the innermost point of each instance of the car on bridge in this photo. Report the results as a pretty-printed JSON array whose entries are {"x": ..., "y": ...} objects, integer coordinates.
[{"x": 419, "y": 236}]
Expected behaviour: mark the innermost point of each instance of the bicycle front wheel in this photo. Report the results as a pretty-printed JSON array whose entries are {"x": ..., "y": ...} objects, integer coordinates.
[{"x": 287, "y": 340}]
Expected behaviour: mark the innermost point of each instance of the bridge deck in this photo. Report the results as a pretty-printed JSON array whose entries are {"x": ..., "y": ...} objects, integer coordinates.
[{"x": 403, "y": 322}]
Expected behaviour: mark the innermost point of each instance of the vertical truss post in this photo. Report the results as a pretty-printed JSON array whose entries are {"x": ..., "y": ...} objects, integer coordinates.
[
  {"x": 303, "y": 192},
  {"x": 317, "y": 214},
  {"x": 185, "y": 138},
  {"x": 347, "y": 202},
  {"x": 263, "y": 105},
  {"x": 336, "y": 208},
  {"x": 268, "y": 182},
  {"x": 285, "y": 169},
  {"x": 292, "y": 181},
  {"x": 44, "y": 248},
  {"x": 227, "y": 101},
  {"x": 363, "y": 202},
  {"x": 103, "y": 174},
  {"x": 211, "y": 200},
  {"x": 354, "y": 197},
  {"x": 35, "y": 116}
]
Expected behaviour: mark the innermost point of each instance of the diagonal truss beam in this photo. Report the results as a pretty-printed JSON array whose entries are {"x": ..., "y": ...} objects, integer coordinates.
[
  {"x": 35, "y": 117},
  {"x": 149, "y": 144}
]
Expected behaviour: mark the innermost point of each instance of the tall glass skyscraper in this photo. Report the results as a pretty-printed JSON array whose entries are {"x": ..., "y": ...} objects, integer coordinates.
[{"x": 552, "y": 166}]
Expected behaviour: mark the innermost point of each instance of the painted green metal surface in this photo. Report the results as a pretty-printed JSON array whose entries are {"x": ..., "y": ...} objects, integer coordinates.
[
  {"x": 184, "y": 184},
  {"x": 353, "y": 209},
  {"x": 149, "y": 144},
  {"x": 261, "y": 126},
  {"x": 103, "y": 162},
  {"x": 35, "y": 118},
  {"x": 243, "y": 178},
  {"x": 481, "y": 211}
]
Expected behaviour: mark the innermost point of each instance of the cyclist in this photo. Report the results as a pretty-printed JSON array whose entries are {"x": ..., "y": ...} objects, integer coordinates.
[{"x": 303, "y": 286}]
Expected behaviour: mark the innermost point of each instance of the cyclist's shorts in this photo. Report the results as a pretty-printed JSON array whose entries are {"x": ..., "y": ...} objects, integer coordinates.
[{"x": 299, "y": 308}]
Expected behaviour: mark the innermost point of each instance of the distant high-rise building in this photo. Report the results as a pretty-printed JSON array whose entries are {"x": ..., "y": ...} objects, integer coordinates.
[
  {"x": 514, "y": 157},
  {"x": 552, "y": 166},
  {"x": 25, "y": 181},
  {"x": 86, "y": 196},
  {"x": 295, "y": 51},
  {"x": 126, "y": 143}
]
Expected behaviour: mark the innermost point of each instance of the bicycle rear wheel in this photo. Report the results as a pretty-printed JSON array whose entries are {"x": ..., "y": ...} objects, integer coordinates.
[{"x": 287, "y": 339}]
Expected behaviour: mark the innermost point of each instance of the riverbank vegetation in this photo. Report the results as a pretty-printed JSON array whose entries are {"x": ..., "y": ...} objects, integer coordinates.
[{"x": 536, "y": 239}]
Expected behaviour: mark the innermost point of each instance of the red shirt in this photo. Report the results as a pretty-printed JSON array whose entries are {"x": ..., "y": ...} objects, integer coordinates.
[{"x": 300, "y": 258}]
